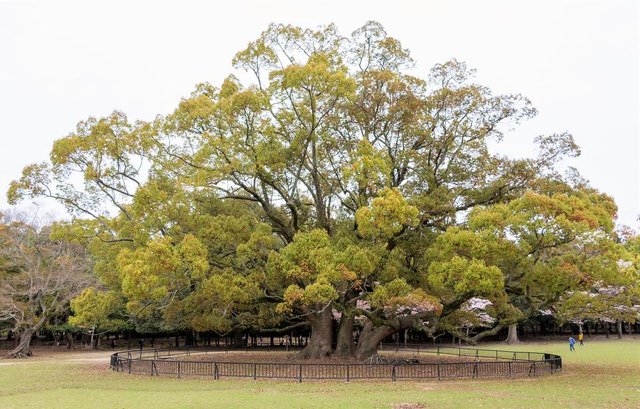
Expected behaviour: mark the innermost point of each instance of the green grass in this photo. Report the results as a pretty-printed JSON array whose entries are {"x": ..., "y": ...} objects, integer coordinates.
[{"x": 602, "y": 374}]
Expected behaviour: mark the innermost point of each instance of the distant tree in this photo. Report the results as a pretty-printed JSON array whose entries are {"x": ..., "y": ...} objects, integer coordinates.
[
  {"x": 99, "y": 312},
  {"x": 38, "y": 278},
  {"x": 612, "y": 293}
]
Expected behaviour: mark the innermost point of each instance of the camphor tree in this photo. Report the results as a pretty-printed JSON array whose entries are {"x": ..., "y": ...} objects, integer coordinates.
[
  {"x": 38, "y": 278},
  {"x": 332, "y": 133},
  {"x": 314, "y": 194}
]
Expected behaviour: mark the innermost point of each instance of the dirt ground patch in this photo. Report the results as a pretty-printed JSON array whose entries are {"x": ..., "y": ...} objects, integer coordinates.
[
  {"x": 409, "y": 405},
  {"x": 291, "y": 357},
  {"x": 50, "y": 353}
]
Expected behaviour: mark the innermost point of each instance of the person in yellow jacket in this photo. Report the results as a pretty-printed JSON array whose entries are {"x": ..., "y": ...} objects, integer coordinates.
[{"x": 581, "y": 338}]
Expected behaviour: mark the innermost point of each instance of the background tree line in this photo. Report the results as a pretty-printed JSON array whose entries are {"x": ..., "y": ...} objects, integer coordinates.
[{"x": 328, "y": 189}]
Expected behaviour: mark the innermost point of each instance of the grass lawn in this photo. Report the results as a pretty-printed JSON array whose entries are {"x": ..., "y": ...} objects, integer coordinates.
[{"x": 602, "y": 374}]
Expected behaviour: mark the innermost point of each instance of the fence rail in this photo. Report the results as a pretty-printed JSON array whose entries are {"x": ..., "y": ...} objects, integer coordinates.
[{"x": 486, "y": 363}]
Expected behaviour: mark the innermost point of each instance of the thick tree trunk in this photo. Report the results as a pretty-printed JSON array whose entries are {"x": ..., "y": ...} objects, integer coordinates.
[
  {"x": 189, "y": 339},
  {"x": 24, "y": 346},
  {"x": 70, "y": 341},
  {"x": 320, "y": 343},
  {"x": 370, "y": 339},
  {"x": 345, "y": 345},
  {"x": 238, "y": 340},
  {"x": 619, "y": 328},
  {"x": 512, "y": 337},
  {"x": 371, "y": 336},
  {"x": 93, "y": 330}
]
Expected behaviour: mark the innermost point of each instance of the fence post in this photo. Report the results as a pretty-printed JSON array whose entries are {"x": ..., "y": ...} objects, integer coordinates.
[
  {"x": 255, "y": 368},
  {"x": 178, "y": 369},
  {"x": 216, "y": 374},
  {"x": 510, "y": 374},
  {"x": 475, "y": 370},
  {"x": 129, "y": 360},
  {"x": 347, "y": 372},
  {"x": 299, "y": 373},
  {"x": 393, "y": 373},
  {"x": 438, "y": 371}
]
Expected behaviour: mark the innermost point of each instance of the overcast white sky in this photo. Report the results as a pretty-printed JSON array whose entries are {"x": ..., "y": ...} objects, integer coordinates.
[{"x": 577, "y": 61}]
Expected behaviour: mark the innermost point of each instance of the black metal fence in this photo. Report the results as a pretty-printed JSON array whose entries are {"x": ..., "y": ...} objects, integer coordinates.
[{"x": 486, "y": 363}]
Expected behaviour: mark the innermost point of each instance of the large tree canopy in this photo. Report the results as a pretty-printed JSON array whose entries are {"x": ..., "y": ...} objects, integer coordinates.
[{"x": 330, "y": 188}]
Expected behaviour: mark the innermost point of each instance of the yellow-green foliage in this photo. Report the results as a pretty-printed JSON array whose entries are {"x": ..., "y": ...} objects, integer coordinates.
[
  {"x": 388, "y": 214},
  {"x": 152, "y": 273},
  {"x": 463, "y": 277},
  {"x": 97, "y": 309}
]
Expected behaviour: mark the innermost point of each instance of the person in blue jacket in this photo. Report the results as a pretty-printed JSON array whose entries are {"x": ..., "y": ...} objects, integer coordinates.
[{"x": 572, "y": 342}]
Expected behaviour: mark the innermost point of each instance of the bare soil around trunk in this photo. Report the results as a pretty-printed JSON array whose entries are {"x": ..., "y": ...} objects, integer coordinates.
[
  {"x": 293, "y": 357},
  {"x": 61, "y": 354}
]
